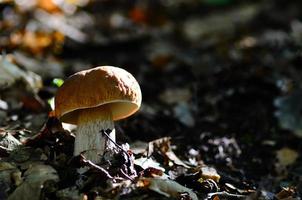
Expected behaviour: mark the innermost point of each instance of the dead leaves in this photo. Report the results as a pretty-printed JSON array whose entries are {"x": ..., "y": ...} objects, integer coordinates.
[
  {"x": 10, "y": 73},
  {"x": 53, "y": 137},
  {"x": 156, "y": 168},
  {"x": 160, "y": 165},
  {"x": 40, "y": 27},
  {"x": 162, "y": 148},
  {"x": 211, "y": 98},
  {"x": 49, "y": 6},
  {"x": 20, "y": 85},
  {"x": 167, "y": 188},
  {"x": 286, "y": 193},
  {"x": 8, "y": 141},
  {"x": 36, "y": 179},
  {"x": 207, "y": 172},
  {"x": 36, "y": 42}
]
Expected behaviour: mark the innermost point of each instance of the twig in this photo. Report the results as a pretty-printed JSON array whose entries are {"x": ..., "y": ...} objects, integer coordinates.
[
  {"x": 90, "y": 164},
  {"x": 225, "y": 194},
  {"x": 126, "y": 175},
  {"x": 110, "y": 139}
]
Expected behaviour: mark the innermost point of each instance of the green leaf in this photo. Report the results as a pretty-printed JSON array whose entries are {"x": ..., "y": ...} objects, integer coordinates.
[
  {"x": 58, "y": 82},
  {"x": 51, "y": 103}
]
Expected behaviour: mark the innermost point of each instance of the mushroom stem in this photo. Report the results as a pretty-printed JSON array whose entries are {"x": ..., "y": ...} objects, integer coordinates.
[{"x": 89, "y": 141}]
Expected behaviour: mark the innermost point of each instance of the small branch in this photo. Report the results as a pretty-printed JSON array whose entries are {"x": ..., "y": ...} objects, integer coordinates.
[
  {"x": 82, "y": 161},
  {"x": 128, "y": 160},
  {"x": 90, "y": 164},
  {"x": 108, "y": 137},
  {"x": 226, "y": 194},
  {"x": 126, "y": 175}
]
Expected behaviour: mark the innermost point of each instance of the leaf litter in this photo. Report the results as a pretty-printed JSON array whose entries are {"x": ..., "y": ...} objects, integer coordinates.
[{"x": 220, "y": 117}]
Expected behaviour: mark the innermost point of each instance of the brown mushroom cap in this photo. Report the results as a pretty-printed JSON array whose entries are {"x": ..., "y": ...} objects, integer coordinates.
[{"x": 96, "y": 87}]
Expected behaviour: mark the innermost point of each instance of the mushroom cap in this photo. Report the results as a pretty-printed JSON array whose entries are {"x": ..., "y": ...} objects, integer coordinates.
[{"x": 94, "y": 88}]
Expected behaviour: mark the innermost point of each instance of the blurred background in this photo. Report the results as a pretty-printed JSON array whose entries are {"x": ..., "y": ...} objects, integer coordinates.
[{"x": 222, "y": 78}]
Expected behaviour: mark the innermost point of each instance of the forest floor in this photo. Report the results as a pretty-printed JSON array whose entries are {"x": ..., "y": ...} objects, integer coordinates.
[{"x": 221, "y": 113}]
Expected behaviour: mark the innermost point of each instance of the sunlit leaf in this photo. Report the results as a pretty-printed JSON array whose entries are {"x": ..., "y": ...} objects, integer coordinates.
[
  {"x": 58, "y": 82},
  {"x": 148, "y": 162},
  {"x": 51, "y": 103},
  {"x": 166, "y": 187}
]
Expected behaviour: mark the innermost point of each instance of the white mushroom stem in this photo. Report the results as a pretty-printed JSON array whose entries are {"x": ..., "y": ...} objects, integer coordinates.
[{"x": 89, "y": 138}]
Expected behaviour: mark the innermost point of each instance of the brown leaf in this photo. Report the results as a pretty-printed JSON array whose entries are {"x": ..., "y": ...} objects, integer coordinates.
[
  {"x": 34, "y": 180},
  {"x": 163, "y": 147},
  {"x": 32, "y": 103},
  {"x": 151, "y": 172},
  {"x": 48, "y": 5},
  {"x": 7, "y": 141},
  {"x": 286, "y": 193},
  {"x": 52, "y": 133},
  {"x": 207, "y": 172},
  {"x": 166, "y": 187}
]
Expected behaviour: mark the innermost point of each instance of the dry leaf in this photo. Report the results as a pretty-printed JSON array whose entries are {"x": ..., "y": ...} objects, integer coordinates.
[
  {"x": 8, "y": 141},
  {"x": 162, "y": 145},
  {"x": 209, "y": 173},
  {"x": 286, "y": 194},
  {"x": 34, "y": 179},
  {"x": 148, "y": 162},
  {"x": 48, "y": 5},
  {"x": 11, "y": 73},
  {"x": 9, "y": 174},
  {"x": 167, "y": 187},
  {"x": 51, "y": 67}
]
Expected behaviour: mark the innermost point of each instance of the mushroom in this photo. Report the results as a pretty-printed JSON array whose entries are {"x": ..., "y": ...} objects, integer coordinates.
[{"x": 92, "y": 99}]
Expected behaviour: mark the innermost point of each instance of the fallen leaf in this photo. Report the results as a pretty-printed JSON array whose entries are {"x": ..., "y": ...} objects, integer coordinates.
[
  {"x": 8, "y": 141},
  {"x": 139, "y": 147},
  {"x": 48, "y": 5},
  {"x": 152, "y": 173},
  {"x": 163, "y": 147},
  {"x": 34, "y": 179},
  {"x": 166, "y": 187},
  {"x": 51, "y": 67},
  {"x": 9, "y": 174},
  {"x": 60, "y": 24},
  {"x": 286, "y": 194},
  {"x": 207, "y": 172},
  {"x": 145, "y": 163},
  {"x": 11, "y": 73}
]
